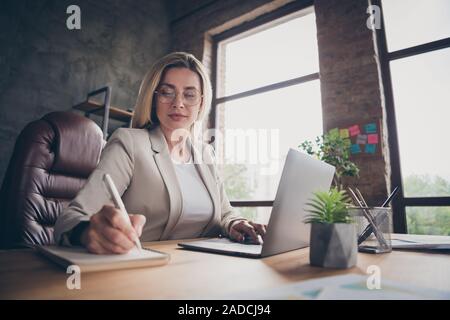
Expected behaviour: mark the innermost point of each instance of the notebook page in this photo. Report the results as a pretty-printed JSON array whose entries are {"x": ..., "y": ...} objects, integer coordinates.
[{"x": 81, "y": 256}]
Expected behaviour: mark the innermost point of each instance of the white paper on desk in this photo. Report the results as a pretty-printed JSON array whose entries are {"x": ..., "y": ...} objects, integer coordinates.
[
  {"x": 351, "y": 286},
  {"x": 414, "y": 241},
  {"x": 402, "y": 244},
  {"x": 387, "y": 292}
]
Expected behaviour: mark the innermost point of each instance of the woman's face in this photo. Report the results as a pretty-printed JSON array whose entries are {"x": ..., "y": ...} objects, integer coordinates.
[{"x": 178, "y": 99}]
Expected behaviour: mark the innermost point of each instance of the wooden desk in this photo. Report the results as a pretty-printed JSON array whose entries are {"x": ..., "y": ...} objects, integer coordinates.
[{"x": 191, "y": 275}]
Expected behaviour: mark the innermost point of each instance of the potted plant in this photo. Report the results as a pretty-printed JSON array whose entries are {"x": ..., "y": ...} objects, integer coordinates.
[
  {"x": 333, "y": 149},
  {"x": 333, "y": 242}
]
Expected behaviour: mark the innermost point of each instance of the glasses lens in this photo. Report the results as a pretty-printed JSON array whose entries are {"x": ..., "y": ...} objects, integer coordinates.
[
  {"x": 191, "y": 96},
  {"x": 167, "y": 95}
]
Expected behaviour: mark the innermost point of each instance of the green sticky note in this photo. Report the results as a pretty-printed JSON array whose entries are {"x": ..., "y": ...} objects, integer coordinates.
[
  {"x": 370, "y": 148},
  {"x": 371, "y": 128},
  {"x": 355, "y": 148},
  {"x": 347, "y": 143},
  {"x": 334, "y": 132}
]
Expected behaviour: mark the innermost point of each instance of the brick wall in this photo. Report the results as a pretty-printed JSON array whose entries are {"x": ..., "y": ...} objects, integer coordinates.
[{"x": 350, "y": 84}]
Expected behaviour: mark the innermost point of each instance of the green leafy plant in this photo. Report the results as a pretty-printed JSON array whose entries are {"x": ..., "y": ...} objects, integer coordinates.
[
  {"x": 329, "y": 207},
  {"x": 333, "y": 149}
]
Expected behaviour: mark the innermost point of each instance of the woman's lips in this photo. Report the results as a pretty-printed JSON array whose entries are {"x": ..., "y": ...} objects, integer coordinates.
[{"x": 177, "y": 117}]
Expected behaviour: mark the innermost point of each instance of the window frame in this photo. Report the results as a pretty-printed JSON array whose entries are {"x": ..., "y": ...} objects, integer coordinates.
[
  {"x": 400, "y": 203},
  {"x": 267, "y": 18}
]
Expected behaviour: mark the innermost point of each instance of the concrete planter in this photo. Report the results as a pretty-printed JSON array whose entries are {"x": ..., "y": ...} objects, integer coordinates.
[{"x": 333, "y": 245}]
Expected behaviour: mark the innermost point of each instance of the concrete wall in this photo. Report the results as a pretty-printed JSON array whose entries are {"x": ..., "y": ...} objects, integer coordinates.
[{"x": 46, "y": 67}]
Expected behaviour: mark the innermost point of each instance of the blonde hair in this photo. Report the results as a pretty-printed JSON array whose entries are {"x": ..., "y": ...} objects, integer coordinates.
[{"x": 145, "y": 110}]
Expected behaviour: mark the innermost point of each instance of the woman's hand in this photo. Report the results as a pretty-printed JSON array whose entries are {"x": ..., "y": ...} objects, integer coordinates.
[
  {"x": 243, "y": 229},
  {"x": 109, "y": 233}
]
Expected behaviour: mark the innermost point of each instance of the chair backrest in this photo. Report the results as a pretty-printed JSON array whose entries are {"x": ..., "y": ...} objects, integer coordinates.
[{"x": 51, "y": 161}]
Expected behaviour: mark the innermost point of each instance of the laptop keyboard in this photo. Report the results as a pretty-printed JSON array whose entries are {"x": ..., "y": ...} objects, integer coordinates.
[{"x": 227, "y": 245}]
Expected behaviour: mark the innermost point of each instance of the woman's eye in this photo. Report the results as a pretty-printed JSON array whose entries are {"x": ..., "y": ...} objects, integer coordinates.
[{"x": 190, "y": 94}]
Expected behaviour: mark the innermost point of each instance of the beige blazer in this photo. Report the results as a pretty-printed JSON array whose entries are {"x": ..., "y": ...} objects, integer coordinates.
[{"x": 139, "y": 162}]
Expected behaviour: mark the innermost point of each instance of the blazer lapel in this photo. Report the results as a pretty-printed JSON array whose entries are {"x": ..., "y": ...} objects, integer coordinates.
[{"x": 164, "y": 164}]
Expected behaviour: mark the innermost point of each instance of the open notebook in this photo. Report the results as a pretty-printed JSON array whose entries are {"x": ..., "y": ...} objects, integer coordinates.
[{"x": 88, "y": 262}]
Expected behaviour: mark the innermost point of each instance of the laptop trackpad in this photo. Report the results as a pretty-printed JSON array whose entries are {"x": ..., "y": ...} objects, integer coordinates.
[{"x": 224, "y": 244}]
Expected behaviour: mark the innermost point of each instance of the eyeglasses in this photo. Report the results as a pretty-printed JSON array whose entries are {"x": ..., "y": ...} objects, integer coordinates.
[{"x": 168, "y": 94}]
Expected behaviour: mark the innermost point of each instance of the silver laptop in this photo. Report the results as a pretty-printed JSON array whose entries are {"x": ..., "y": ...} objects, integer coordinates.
[{"x": 302, "y": 176}]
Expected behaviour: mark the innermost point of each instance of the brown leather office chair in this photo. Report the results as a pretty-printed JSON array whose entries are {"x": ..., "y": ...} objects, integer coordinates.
[{"x": 51, "y": 161}]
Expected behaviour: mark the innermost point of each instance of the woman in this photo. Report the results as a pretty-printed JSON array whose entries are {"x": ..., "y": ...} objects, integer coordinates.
[{"x": 158, "y": 170}]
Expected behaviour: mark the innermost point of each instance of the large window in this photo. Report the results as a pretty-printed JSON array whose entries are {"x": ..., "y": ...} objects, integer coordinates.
[
  {"x": 416, "y": 44},
  {"x": 267, "y": 101}
]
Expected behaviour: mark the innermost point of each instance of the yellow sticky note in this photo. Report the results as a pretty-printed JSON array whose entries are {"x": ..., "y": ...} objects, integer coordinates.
[{"x": 344, "y": 133}]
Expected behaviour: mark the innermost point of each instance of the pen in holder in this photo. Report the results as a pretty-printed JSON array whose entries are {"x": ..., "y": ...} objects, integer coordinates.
[{"x": 374, "y": 225}]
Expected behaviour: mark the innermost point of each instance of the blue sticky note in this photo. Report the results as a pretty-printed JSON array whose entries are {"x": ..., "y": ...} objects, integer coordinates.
[
  {"x": 355, "y": 148},
  {"x": 371, "y": 128},
  {"x": 370, "y": 148}
]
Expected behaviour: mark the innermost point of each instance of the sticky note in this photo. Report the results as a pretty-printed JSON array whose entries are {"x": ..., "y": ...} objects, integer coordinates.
[
  {"x": 370, "y": 148},
  {"x": 370, "y": 128},
  {"x": 347, "y": 143},
  {"x": 354, "y": 130},
  {"x": 361, "y": 139},
  {"x": 372, "y": 138},
  {"x": 344, "y": 133},
  {"x": 355, "y": 148},
  {"x": 334, "y": 132}
]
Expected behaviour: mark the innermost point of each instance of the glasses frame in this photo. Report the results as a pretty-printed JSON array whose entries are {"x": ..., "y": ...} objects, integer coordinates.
[{"x": 158, "y": 96}]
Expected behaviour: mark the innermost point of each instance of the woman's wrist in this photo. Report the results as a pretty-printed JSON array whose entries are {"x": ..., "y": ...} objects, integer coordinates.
[{"x": 77, "y": 232}]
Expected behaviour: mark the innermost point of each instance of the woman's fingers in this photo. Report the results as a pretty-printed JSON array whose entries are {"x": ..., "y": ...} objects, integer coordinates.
[
  {"x": 260, "y": 228},
  {"x": 94, "y": 246},
  {"x": 115, "y": 237},
  {"x": 106, "y": 246},
  {"x": 117, "y": 221},
  {"x": 138, "y": 222},
  {"x": 245, "y": 228},
  {"x": 236, "y": 235},
  {"x": 106, "y": 234}
]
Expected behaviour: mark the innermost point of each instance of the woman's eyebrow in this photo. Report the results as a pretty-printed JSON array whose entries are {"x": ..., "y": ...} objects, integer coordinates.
[{"x": 174, "y": 87}]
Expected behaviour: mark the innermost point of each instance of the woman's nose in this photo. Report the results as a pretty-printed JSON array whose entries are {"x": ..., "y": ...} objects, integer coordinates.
[{"x": 178, "y": 101}]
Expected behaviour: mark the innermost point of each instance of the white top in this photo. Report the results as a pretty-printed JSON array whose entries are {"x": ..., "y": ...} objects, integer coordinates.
[{"x": 197, "y": 204}]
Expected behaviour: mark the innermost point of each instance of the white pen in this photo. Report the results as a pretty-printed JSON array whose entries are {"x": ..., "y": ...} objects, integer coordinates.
[{"x": 118, "y": 203}]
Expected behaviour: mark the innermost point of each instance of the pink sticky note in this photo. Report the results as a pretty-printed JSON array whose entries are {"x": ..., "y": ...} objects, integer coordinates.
[
  {"x": 372, "y": 138},
  {"x": 354, "y": 130}
]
